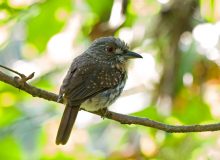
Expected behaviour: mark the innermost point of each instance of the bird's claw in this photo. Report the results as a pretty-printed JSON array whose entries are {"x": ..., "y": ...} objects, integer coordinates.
[
  {"x": 60, "y": 98},
  {"x": 104, "y": 112}
]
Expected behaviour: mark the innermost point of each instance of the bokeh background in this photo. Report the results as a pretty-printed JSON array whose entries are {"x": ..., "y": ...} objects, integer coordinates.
[{"x": 177, "y": 81}]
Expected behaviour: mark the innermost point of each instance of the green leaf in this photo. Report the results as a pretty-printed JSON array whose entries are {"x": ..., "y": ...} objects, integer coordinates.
[
  {"x": 101, "y": 8},
  {"x": 149, "y": 112},
  {"x": 178, "y": 148},
  {"x": 58, "y": 156},
  {"x": 187, "y": 62},
  {"x": 9, "y": 149},
  {"x": 50, "y": 17},
  {"x": 10, "y": 114},
  {"x": 208, "y": 10},
  {"x": 192, "y": 110}
]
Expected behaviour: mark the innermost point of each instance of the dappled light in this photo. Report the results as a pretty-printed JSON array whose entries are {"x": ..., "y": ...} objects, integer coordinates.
[{"x": 177, "y": 81}]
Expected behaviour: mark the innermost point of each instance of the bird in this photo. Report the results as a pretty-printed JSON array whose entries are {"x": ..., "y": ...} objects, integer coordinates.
[{"x": 94, "y": 81}]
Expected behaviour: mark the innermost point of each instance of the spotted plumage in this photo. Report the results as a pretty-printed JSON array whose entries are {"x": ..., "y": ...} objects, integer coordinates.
[{"x": 94, "y": 81}]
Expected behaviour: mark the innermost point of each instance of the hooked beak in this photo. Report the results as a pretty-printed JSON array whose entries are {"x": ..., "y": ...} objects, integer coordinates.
[{"x": 130, "y": 55}]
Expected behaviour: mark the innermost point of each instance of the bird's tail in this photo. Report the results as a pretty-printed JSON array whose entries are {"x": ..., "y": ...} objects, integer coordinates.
[{"x": 66, "y": 124}]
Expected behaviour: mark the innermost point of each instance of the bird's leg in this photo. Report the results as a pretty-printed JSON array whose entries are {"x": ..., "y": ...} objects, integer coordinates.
[{"x": 104, "y": 112}]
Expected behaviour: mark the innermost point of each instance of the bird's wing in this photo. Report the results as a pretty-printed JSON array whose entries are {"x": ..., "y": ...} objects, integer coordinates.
[{"x": 85, "y": 80}]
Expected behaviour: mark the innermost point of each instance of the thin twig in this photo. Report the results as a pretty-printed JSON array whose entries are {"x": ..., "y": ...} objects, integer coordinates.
[
  {"x": 23, "y": 79},
  {"x": 9, "y": 69}
]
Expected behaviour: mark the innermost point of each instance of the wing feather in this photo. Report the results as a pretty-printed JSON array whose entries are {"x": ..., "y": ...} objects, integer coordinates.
[{"x": 85, "y": 80}]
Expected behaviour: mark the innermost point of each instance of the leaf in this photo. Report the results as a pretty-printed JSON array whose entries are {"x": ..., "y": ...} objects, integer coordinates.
[
  {"x": 58, "y": 156},
  {"x": 209, "y": 10},
  {"x": 100, "y": 8},
  {"x": 10, "y": 114},
  {"x": 191, "y": 108},
  {"x": 9, "y": 149},
  {"x": 50, "y": 19},
  {"x": 149, "y": 112},
  {"x": 187, "y": 63}
]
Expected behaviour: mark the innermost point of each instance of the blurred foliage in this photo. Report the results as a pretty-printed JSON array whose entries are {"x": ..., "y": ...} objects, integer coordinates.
[
  {"x": 33, "y": 35},
  {"x": 48, "y": 19}
]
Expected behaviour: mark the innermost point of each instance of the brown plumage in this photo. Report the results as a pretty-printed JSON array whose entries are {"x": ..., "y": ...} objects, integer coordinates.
[{"x": 94, "y": 81}]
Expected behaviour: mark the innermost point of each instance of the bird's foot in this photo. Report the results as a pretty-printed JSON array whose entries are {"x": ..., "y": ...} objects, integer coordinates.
[
  {"x": 104, "y": 112},
  {"x": 60, "y": 98}
]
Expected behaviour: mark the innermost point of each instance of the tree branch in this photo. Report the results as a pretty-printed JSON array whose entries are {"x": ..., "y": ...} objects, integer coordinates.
[{"x": 124, "y": 119}]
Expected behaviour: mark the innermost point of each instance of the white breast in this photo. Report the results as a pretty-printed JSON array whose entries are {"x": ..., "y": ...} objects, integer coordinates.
[{"x": 104, "y": 99}]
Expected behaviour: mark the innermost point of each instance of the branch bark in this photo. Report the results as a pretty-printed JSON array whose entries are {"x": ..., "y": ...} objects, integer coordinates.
[{"x": 123, "y": 119}]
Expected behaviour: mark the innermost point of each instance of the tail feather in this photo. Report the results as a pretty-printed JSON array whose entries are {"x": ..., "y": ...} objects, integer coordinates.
[{"x": 66, "y": 124}]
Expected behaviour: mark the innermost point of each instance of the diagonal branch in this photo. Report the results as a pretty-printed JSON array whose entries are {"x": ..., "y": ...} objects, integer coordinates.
[{"x": 124, "y": 119}]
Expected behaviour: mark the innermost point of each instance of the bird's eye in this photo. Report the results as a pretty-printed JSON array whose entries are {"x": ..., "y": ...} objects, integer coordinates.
[{"x": 110, "y": 49}]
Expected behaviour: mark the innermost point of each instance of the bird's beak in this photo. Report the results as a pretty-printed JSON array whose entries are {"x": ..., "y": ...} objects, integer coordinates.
[{"x": 130, "y": 54}]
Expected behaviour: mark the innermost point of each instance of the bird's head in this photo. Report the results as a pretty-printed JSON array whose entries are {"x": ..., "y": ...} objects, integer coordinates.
[{"x": 110, "y": 49}]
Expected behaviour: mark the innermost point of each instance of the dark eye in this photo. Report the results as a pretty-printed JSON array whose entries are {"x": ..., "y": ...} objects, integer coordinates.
[{"x": 110, "y": 49}]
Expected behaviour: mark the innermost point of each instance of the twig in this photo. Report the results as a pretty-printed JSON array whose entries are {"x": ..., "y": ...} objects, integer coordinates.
[
  {"x": 9, "y": 69},
  {"x": 124, "y": 119},
  {"x": 23, "y": 79}
]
